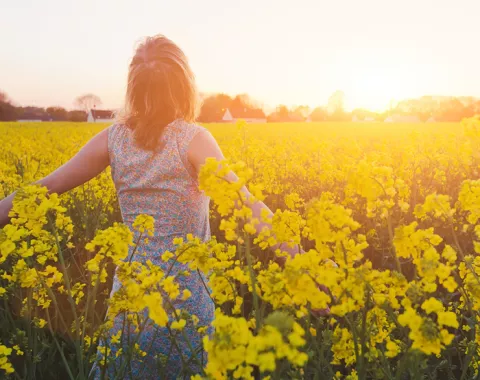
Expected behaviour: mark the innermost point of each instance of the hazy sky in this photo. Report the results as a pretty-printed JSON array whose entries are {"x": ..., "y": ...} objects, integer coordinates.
[{"x": 293, "y": 52}]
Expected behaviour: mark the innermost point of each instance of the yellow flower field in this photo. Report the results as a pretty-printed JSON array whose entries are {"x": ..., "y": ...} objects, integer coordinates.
[{"x": 388, "y": 285}]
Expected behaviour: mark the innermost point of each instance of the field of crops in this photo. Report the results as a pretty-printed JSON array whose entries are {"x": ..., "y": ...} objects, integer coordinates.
[{"x": 395, "y": 206}]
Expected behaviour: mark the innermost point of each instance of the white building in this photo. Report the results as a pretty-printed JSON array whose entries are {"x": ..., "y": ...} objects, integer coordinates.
[
  {"x": 249, "y": 115},
  {"x": 100, "y": 116}
]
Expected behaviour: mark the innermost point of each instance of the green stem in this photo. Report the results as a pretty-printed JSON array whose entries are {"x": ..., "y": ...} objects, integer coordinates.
[
  {"x": 205, "y": 285},
  {"x": 136, "y": 247},
  {"x": 60, "y": 349},
  {"x": 253, "y": 280},
  {"x": 363, "y": 338},
  {"x": 54, "y": 300},
  {"x": 355, "y": 342},
  {"x": 70, "y": 298},
  {"x": 85, "y": 319},
  {"x": 187, "y": 340},
  {"x": 391, "y": 246},
  {"x": 170, "y": 268},
  {"x": 29, "y": 329}
]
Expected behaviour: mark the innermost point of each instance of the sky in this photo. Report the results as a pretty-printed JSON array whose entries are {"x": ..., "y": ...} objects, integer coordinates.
[{"x": 279, "y": 52}]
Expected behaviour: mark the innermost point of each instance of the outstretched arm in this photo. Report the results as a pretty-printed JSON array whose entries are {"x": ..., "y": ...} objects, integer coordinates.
[
  {"x": 204, "y": 146},
  {"x": 90, "y": 161}
]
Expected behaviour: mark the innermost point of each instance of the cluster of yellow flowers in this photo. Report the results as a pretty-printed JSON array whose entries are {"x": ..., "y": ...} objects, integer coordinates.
[
  {"x": 386, "y": 282},
  {"x": 234, "y": 348},
  {"x": 4, "y": 363}
]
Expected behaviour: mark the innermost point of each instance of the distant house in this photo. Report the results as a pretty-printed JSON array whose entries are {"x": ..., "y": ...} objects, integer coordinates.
[
  {"x": 402, "y": 119},
  {"x": 100, "y": 116},
  {"x": 247, "y": 114}
]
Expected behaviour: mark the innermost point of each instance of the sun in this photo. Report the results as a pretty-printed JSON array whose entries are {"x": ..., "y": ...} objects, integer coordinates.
[
  {"x": 377, "y": 87},
  {"x": 377, "y": 91}
]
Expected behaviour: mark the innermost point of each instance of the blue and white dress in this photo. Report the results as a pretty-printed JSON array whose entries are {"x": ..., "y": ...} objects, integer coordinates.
[{"x": 164, "y": 185}]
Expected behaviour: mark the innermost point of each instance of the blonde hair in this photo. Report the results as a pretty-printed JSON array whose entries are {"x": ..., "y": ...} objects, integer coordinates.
[{"x": 161, "y": 88}]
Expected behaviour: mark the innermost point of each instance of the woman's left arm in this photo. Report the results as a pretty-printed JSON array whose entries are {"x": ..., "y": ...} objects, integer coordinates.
[{"x": 90, "y": 161}]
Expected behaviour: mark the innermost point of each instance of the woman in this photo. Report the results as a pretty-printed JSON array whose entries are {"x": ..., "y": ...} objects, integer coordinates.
[{"x": 155, "y": 155}]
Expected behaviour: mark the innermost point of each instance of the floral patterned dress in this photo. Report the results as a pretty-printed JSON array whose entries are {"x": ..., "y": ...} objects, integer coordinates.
[{"x": 164, "y": 185}]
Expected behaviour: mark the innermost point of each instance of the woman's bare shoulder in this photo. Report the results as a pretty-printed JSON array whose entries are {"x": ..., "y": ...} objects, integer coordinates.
[{"x": 202, "y": 146}]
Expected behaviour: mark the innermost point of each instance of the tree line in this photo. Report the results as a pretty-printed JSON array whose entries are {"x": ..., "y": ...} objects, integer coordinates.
[
  {"x": 10, "y": 112},
  {"x": 435, "y": 108},
  {"x": 214, "y": 106}
]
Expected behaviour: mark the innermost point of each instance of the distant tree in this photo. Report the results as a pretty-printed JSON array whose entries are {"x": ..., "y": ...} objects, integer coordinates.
[
  {"x": 470, "y": 110},
  {"x": 319, "y": 114},
  {"x": 281, "y": 114},
  {"x": 423, "y": 116},
  {"x": 422, "y": 107},
  {"x": 8, "y": 112},
  {"x": 239, "y": 103},
  {"x": 77, "y": 116},
  {"x": 213, "y": 108},
  {"x": 445, "y": 108},
  {"x": 243, "y": 101},
  {"x": 336, "y": 103},
  {"x": 87, "y": 102},
  {"x": 339, "y": 115},
  {"x": 476, "y": 107},
  {"x": 31, "y": 112},
  {"x": 336, "y": 107},
  {"x": 302, "y": 111},
  {"x": 4, "y": 97},
  {"x": 243, "y": 106},
  {"x": 299, "y": 113},
  {"x": 57, "y": 113},
  {"x": 363, "y": 114},
  {"x": 453, "y": 110},
  {"x": 360, "y": 113}
]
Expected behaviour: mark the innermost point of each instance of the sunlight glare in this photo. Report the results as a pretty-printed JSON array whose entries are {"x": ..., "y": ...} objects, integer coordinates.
[{"x": 377, "y": 89}]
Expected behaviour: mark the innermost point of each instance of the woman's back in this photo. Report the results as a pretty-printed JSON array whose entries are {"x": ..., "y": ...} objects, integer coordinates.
[{"x": 162, "y": 184}]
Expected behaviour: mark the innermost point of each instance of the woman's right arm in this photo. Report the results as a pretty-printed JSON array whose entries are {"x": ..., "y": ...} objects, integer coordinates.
[{"x": 204, "y": 146}]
